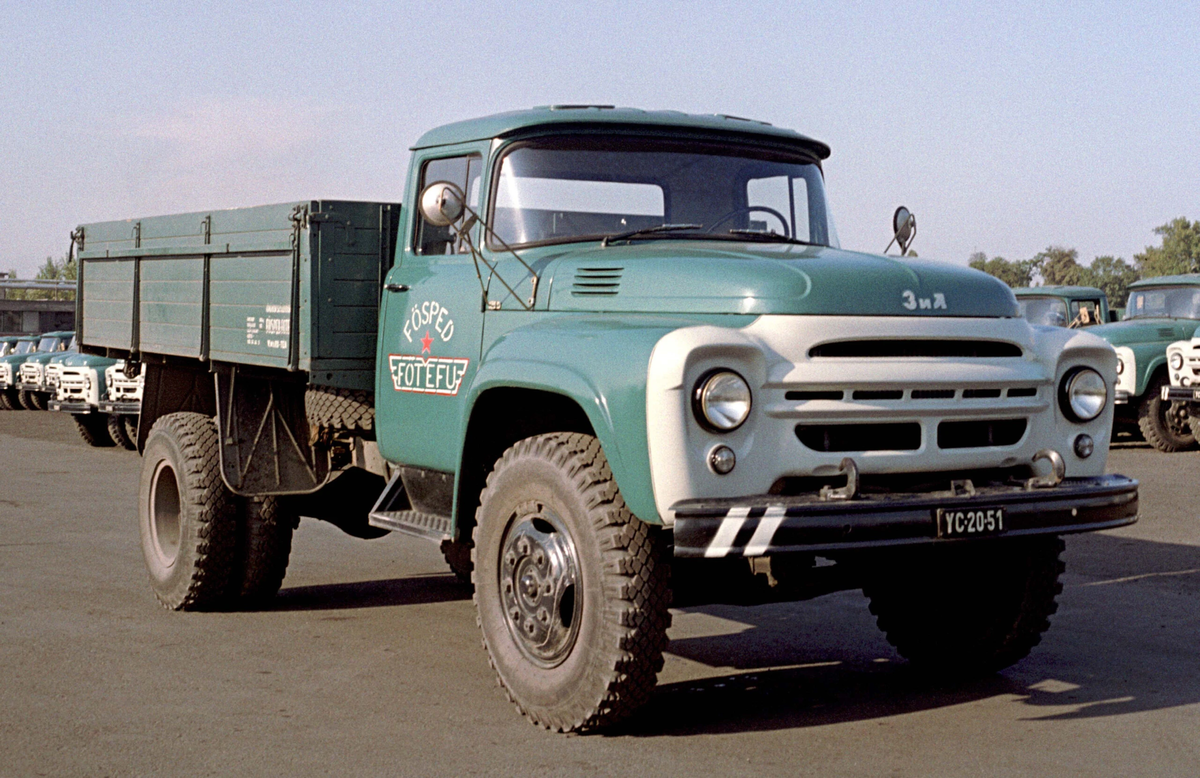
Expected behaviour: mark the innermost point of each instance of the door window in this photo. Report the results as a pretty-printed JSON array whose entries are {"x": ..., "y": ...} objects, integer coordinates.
[{"x": 462, "y": 171}]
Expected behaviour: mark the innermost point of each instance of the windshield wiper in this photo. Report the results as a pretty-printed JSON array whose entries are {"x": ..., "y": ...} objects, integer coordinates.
[
  {"x": 770, "y": 237},
  {"x": 649, "y": 231}
]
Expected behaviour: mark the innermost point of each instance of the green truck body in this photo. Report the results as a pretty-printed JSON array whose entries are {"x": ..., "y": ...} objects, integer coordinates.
[{"x": 600, "y": 345}]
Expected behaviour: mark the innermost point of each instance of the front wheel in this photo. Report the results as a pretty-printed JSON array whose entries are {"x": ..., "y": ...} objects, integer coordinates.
[
  {"x": 93, "y": 428},
  {"x": 967, "y": 608},
  {"x": 571, "y": 590},
  {"x": 118, "y": 433},
  {"x": 27, "y": 400},
  {"x": 1164, "y": 424}
]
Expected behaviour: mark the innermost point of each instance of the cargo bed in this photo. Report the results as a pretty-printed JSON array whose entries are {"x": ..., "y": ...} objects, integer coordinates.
[{"x": 293, "y": 286}]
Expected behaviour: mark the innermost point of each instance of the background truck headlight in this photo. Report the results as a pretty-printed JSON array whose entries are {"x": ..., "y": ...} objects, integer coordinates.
[
  {"x": 1082, "y": 394},
  {"x": 721, "y": 401},
  {"x": 1176, "y": 360}
]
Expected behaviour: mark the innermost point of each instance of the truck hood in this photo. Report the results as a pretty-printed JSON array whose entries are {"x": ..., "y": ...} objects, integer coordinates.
[
  {"x": 674, "y": 276},
  {"x": 87, "y": 360},
  {"x": 1148, "y": 330}
]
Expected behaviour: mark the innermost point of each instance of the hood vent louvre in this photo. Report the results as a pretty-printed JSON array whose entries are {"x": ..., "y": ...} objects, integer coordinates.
[
  {"x": 597, "y": 281},
  {"x": 1166, "y": 332}
]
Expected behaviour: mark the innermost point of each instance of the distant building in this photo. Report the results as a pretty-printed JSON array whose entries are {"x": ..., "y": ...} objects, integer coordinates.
[{"x": 20, "y": 315}]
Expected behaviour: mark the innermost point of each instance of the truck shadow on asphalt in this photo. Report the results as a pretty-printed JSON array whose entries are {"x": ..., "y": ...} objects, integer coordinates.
[
  {"x": 1126, "y": 639},
  {"x": 411, "y": 590}
]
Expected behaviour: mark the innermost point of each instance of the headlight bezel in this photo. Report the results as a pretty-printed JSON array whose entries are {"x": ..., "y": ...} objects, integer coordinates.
[
  {"x": 1177, "y": 355},
  {"x": 1069, "y": 383},
  {"x": 703, "y": 402}
]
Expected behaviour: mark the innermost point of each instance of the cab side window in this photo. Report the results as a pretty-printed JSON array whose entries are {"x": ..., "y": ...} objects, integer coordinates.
[{"x": 462, "y": 171}]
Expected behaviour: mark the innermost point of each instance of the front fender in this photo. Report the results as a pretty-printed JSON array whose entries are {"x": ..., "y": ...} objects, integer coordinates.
[
  {"x": 1150, "y": 357},
  {"x": 600, "y": 365}
]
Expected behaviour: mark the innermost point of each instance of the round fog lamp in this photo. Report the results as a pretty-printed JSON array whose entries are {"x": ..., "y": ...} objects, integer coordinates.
[
  {"x": 722, "y": 459},
  {"x": 1084, "y": 446},
  {"x": 722, "y": 401},
  {"x": 1176, "y": 360},
  {"x": 1082, "y": 394}
]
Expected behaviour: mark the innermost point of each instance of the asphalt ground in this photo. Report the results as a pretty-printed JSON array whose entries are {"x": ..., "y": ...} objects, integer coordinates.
[{"x": 370, "y": 662}]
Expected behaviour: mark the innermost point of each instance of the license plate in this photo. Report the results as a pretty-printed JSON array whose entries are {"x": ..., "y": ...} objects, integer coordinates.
[{"x": 970, "y": 522}]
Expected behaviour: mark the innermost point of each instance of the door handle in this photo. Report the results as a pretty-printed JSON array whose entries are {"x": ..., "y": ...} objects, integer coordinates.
[{"x": 396, "y": 287}]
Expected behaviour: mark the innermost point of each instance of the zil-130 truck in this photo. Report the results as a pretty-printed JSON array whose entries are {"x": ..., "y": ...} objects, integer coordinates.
[{"x": 609, "y": 360}]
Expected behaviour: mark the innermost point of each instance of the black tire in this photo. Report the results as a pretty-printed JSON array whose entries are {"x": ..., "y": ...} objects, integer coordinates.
[
  {"x": 8, "y": 402},
  {"x": 131, "y": 428},
  {"x": 264, "y": 545},
  {"x": 93, "y": 428},
  {"x": 328, "y": 407},
  {"x": 458, "y": 557},
  {"x": 968, "y": 608},
  {"x": 187, "y": 518},
  {"x": 1164, "y": 424},
  {"x": 40, "y": 400},
  {"x": 604, "y": 629},
  {"x": 26, "y": 400},
  {"x": 116, "y": 431}
]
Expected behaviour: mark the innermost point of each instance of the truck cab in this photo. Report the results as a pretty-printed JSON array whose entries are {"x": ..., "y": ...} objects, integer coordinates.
[
  {"x": 1064, "y": 306},
  {"x": 1159, "y": 312},
  {"x": 10, "y": 371},
  {"x": 607, "y": 359}
]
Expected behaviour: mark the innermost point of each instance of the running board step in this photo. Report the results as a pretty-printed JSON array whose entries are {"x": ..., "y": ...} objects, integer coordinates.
[
  {"x": 393, "y": 511},
  {"x": 422, "y": 525}
]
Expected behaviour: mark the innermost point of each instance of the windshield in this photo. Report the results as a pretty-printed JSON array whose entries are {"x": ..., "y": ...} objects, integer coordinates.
[
  {"x": 587, "y": 188},
  {"x": 5, "y": 348},
  {"x": 1043, "y": 310},
  {"x": 1172, "y": 302},
  {"x": 49, "y": 344},
  {"x": 73, "y": 344},
  {"x": 26, "y": 347}
]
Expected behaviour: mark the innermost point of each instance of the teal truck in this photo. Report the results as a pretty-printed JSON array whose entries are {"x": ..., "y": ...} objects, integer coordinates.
[
  {"x": 32, "y": 391},
  {"x": 608, "y": 360},
  {"x": 1064, "y": 306},
  {"x": 82, "y": 391},
  {"x": 1183, "y": 363},
  {"x": 1159, "y": 312},
  {"x": 10, "y": 371}
]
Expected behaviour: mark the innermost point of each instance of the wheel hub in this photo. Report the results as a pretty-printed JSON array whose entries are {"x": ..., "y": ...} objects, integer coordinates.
[{"x": 539, "y": 571}]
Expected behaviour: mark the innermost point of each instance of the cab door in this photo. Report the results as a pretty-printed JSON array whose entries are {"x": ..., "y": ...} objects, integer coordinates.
[{"x": 432, "y": 314}]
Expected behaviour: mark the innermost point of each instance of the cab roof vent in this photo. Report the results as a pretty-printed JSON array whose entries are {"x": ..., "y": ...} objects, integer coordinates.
[{"x": 594, "y": 281}]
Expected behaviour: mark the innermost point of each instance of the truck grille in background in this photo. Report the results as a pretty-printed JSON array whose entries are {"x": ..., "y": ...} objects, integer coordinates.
[
  {"x": 591, "y": 281},
  {"x": 904, "y": 436},
  {"x": 916, "y": 348},
  {"x": 72, "y": 386},
  {"x": 53, "y": 373},
  {"x": 30, "y": 374},
  {"x": 979, "y": 434}
]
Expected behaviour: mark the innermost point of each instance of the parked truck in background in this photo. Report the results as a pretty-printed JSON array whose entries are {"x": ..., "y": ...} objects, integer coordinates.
[
  {"x": 33, "y": 393},
  {"x": 1064, "y": 306},
  {"x": 82, "y": 389},
  {"x": 606, "y": 358},
  {"x": 1160, "y": 311},
  {"x": 10, "y": 366},
  {"x": 122, "y": 401}
]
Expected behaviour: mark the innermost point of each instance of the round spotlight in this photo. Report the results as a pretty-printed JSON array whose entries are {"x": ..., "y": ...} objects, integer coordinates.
[
  {"x": 1176, "y": 360},
  {"x": 1082, "y": 394},
  {"x": 1084, "y": 446},
  {"x": 721, "y": 460}
]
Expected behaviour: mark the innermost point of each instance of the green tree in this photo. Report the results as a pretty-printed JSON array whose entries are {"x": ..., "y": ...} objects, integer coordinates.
[
  {"x": 1059, "y": 266},
  {"x": 1111, "y": 274},
  {"x": 1015, "y": 273},
  {"x": 1179, "y": 252}
]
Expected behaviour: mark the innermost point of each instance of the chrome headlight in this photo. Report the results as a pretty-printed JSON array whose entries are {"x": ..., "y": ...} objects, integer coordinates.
[
  {"x": 1120, "y": 366},
  {"x": 1082, "y": 394},
  {"x": 721, "y": 401},
  {"x": 1176, "y": 360}
]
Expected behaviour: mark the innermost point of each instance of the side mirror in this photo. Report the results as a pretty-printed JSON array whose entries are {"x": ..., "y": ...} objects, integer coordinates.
[
  {"x": 442, "y": 203},
  {"x": 904, "y": 228}
]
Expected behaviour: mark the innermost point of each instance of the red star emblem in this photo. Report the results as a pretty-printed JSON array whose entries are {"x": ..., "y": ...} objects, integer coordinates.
[{"x": 426, "y": 342}]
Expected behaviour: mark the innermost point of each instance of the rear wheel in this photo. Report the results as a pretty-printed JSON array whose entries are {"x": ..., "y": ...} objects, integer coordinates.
[
  {"x": 187, "y": 518},
  {"x": 131, "y": 428},
  {"x": 967, "y": 608},
  {"x": 116, "y": 431},
  {"x": 93, "y": 428},
  {"x": 1164, "y": 424},
  {"x": 264, "y": 545},
  {"x": 571, "y": 590}
]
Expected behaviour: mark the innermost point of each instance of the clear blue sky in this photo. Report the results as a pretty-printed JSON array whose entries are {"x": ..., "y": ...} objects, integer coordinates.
[{"x": 1004, "y": 127}]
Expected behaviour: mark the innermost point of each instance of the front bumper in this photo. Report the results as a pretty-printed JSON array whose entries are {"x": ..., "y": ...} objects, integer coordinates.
[
  {"x": 1182, "y": 393},
  {"x": 124, "y": 408},
  {"x": 1121, "y": 397},
  {"x": 70, "y": 407},
  {"x": 24, "y": 387},
  {"x": 767, "y": 524}
]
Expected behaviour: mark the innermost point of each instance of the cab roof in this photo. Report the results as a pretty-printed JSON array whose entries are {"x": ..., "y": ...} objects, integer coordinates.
[
  {"x": 1192, "y": 279},
  {"x": 1058, "y": 291},
  {"x": 504, "y": 125}
]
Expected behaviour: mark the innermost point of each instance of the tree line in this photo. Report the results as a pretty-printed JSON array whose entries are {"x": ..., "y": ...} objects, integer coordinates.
[
  {"x": 1178, "y": 253},
  {"x": 52, "y": 269}
]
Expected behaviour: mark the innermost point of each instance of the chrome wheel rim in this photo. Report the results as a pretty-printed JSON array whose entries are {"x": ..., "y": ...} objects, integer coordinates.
[
  {"x": 165, "y": 514},
  {"x": 539, "y": 577}
]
